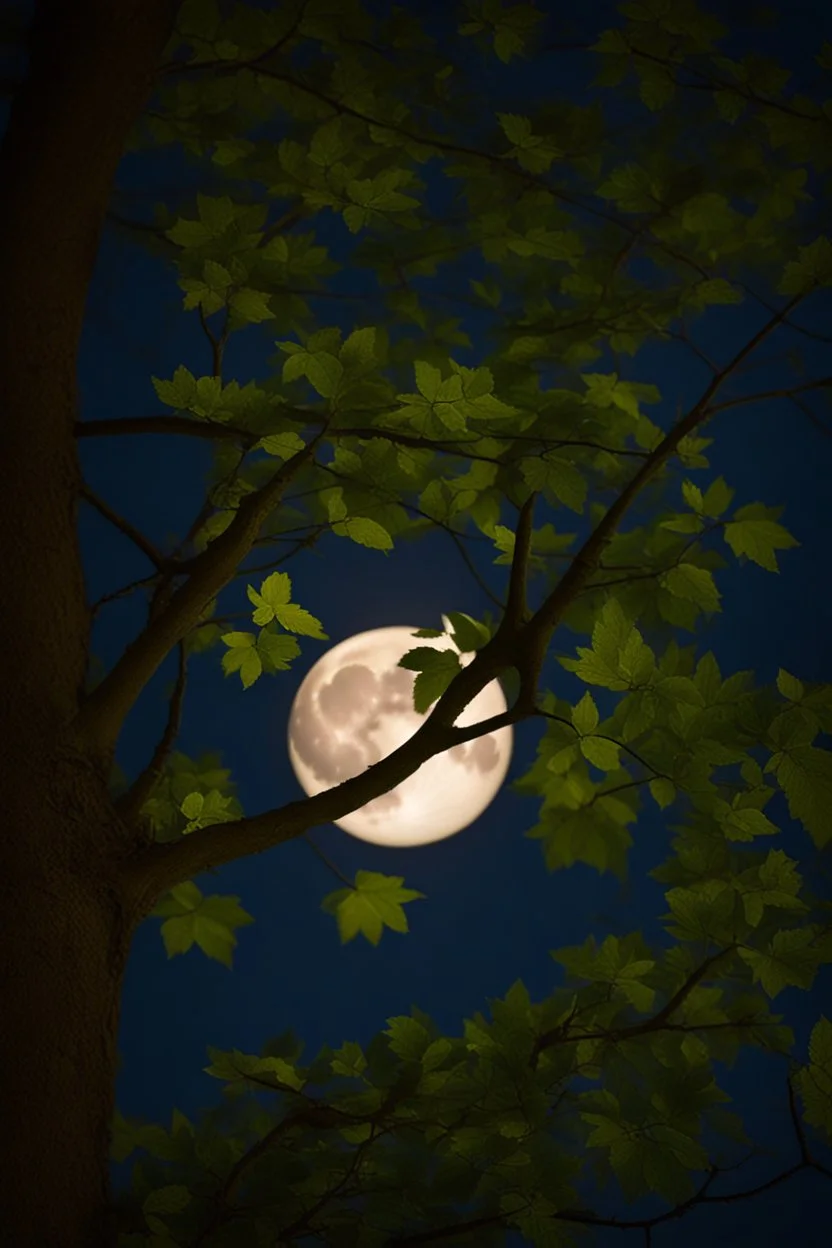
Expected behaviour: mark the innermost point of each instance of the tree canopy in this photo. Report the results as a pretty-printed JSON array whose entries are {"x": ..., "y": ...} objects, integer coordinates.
[{"x": 678, "y": 181}]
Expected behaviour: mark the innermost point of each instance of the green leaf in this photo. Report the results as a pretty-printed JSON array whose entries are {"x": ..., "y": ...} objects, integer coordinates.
[
  {"x": 282, "y": 445},
  {"x": 693, "y": 496},
  {"x": 663, "y": 791},
  {"x": 436, "y": 669},
  {"x": 275, "y": 592},
  {"x": 203, "y": 809},
  {"x": 168, "y": 1199},
  {"x": 242, "y": 657},
  {"x": 717, "y": 499},
  {"x": 276, "y": 650},
  {"x": 358, "y": 350},
  {"x": 790, "y": 686},
  {"x": 619, "y": 657},
  {"x": 693, "y": 584},
  {"x": 566, "y": 482},
  {"x": 776, "y": 882},
  {"x": 208, "y": 922},
  {"x": 272, "y": 603},
  {"x": 428, "y": 379},
  {"x": 349, "y": 1060},
  {"x": 744, "y": 825},
  {"x": 468, "y": 634},
  {"x": 365, "y": 532},
  {"x": 601, "y": 752},
  {"x": 322, "y": 369},
  {"x": 758, "y": 538},
  {"x": 805, "y": 776},
  {"x": 507, "y": 43},
  {"x": 703, "y": 912},
  {"x": 296, "y": 619},
  {"x": 585, "y": 715},
  {"x": 374, "y": 903},
  {"x": 788, "y": 959},
  {"x": 814, "y": 268},
  {"x": 324, "y": 372},
  {"x": 814, "y": 1082},
  {"x": 192, "y": 805},
  {"x": 595, "y": 835},
  {"x": 409, "y": 1039},
  {"x": 679, "y": 689},
  {"x": 234, "y": 1067},
  {"x": 327, "y": 144},
  {"x": 251, "y": 305},
  {"x": 516, "y": 129},
  {"x": 178, "y": 393}
]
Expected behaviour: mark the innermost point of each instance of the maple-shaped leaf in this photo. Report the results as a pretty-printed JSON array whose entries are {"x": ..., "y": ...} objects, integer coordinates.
[
  {"x": 814, "y": 1082},
  {"x": 374, "y": 903},
  {"x": 791, "y": 957},
  {"x": 208, "y": 922},
  {"x": 804, "y": 773},
  {"x": 754, "y": 532},
  {"x": 273, "y": 603}
]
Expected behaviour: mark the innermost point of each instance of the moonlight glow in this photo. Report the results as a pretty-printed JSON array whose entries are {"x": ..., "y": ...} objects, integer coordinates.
[{"x": 356, "y": 706}]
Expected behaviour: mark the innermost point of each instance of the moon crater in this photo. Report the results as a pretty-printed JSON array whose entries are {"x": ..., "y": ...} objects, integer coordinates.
[{"x": 355, "y": 707}]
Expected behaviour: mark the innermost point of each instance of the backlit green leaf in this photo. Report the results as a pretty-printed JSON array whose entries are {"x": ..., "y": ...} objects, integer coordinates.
[
  {"x": 374, "y": 903},
  {"x": 436, "y": 669}
]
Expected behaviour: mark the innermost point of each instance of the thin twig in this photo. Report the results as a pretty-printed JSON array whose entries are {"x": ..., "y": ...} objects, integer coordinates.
[
  {"x": 124, "y": 526},
  {"x": 131, "y": 802}
]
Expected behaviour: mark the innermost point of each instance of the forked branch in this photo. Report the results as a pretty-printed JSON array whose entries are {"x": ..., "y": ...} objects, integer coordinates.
[
  {"x": 99, "y": 720},
  {"x": 131, "y": 802},
  {"x": 523, "y": 646}
]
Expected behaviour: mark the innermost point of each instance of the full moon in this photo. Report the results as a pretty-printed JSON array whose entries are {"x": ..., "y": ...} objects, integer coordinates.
[{"x": 355, "y": 707}]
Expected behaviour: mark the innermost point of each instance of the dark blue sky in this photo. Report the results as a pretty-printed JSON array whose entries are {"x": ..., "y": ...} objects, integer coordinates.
[{"x": 492, "y": 912}]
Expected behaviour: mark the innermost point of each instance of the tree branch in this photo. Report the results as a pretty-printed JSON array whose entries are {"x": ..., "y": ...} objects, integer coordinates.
[
  {"x": 535, "y": 635},
  {"x": 124, "y": 526},
  {"x": 327, "y": 862},
  {"x": 163, "y": 424},
  {"x": 156, "y": 868},
  {"x": 131, "y": 802},
  {"x": 560, "y": 1034},
  {"x": 516, "y": 607},
  {"x": 160, "y": 867},
  {"x": 772, "y": 394},
  {"x": 121, "y": 592},
  {"x": 100, "y": 717}
]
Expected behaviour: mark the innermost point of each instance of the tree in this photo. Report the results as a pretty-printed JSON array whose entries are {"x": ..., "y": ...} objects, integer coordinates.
[{"x": 382, "y": 1147}]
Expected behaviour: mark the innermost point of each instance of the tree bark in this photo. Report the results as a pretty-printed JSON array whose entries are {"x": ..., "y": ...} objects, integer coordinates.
[
  {"x": 65, "y": 938},
  {"x": 65, "y": 920}
]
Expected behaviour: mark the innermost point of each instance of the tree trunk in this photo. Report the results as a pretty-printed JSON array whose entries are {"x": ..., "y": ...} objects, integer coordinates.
[
  {"x": 65, "y": 925},
  {"x": 65, "y": 940}
]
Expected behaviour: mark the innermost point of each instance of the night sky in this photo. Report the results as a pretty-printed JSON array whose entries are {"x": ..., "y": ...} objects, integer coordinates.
[{"x": 492, "y": 911}]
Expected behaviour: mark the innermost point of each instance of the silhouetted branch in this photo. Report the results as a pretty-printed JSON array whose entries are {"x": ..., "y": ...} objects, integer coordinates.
[
  {"x": 535, "y": 635},
  {"x": 124, "y": 526},
  {"x": 120, "y": 593},
  {"x": 327, "y": 862},
  {"x": 163, "y": 424},
  {"x": 101, "y": 715},
  {"x": 159, "y": 867},
  {"x": 516, "y": 609},
  {"x": 131, "y": 802},
  {"x": 786, "y": 392},
  {"x": 658, "y": 1022}
]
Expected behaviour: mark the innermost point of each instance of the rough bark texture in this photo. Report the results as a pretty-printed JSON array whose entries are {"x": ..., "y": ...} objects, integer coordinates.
[
  {"x": 65, "y": 926},
  {"x": 65, "y": 939}
]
